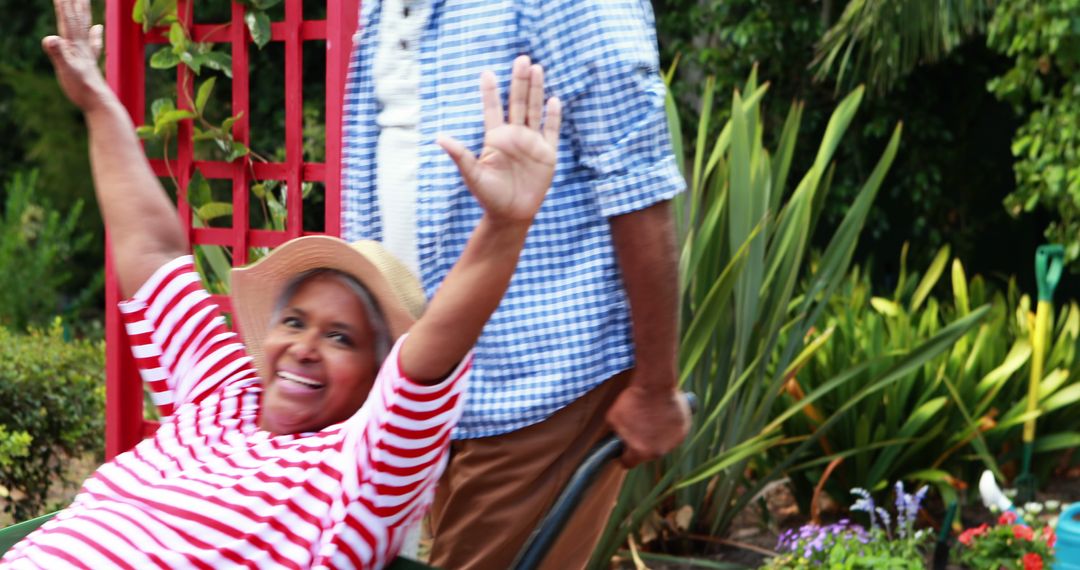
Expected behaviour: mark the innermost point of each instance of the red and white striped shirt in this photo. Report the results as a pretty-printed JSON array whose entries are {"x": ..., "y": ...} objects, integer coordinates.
[{"x": 212, "y": 490}]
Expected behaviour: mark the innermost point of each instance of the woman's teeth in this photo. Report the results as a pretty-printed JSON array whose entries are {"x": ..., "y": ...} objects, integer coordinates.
[{"x": 308, "y": 382}]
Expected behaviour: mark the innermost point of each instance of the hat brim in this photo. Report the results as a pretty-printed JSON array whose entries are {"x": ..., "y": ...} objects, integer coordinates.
[{"x": 256, "y": 289}]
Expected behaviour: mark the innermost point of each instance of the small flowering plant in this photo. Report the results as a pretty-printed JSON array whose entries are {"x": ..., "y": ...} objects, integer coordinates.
[
  {"x": 896, "y": 545},
  {"x": 1014, "y": 543}
]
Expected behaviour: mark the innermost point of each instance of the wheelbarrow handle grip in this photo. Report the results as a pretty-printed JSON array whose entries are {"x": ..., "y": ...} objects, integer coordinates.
[{"x": 543, "y": 538}]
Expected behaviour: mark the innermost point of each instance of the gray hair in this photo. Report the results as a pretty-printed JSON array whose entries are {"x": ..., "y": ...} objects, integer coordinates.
[{"x": 374, "y": 314}]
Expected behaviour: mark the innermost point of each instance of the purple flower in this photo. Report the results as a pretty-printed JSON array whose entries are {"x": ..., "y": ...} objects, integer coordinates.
[
  {"x": 865, "y": 504},
  {"x": 907, "y": 508}
]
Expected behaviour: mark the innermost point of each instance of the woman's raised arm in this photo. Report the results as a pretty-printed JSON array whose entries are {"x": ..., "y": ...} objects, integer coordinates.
[{"x": 143, "y": 228}]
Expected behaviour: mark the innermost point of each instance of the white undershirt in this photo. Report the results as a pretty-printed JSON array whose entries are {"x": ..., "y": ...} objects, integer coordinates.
[{"x": 396, "y": 72}]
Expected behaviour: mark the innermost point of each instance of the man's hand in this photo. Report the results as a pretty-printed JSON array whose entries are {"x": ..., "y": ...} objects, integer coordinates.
[
  {"x": 74, "y": 54},
  {"x": 649, "y": 422},
  {"x": 514, "y": 171}
]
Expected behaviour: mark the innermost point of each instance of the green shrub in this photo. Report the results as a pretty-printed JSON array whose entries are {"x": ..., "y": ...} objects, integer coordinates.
[
  {"x": 1043, "y": 39},
  {"x": 947, "y": 420},
  {"x": 54, "y": 392},
  {"x": 36, "y": 246}
]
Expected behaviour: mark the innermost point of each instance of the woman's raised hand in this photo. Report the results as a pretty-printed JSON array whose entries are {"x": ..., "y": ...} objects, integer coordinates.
[
  {"x": 74, "y": 54},
  {"x": 513, "y": 172}
]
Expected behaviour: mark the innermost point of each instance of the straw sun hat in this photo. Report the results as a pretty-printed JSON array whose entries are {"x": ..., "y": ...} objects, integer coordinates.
[{"x": 256, "y": 288}]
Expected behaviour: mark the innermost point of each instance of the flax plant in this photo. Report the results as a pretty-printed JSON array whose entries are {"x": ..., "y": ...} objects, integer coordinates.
[
  {"x": 953, "y": 416},
  {"x": 745, "y": 240}
]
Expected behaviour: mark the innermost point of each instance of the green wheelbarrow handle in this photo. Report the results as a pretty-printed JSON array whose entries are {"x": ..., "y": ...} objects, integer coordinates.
[{"x": 543, "y": 538}]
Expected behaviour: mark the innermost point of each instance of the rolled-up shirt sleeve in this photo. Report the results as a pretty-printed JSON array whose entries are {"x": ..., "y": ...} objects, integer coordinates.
[{"x": 600, "y": 58}]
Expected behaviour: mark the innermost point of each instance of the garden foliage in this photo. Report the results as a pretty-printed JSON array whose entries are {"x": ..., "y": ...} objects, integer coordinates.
[
  {"x": 36, "y": 249},
  {"x": 943, "y": 421},
  {"x": 745, "y": 236},
  {"x": 54, "y": 396},
  {"x": 1043, "y": 39}
]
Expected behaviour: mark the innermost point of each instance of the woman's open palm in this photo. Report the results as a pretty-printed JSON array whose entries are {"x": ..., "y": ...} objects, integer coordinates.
[
  {"x": 513, "y": 172},
  {"x": 74, "y": 52}
]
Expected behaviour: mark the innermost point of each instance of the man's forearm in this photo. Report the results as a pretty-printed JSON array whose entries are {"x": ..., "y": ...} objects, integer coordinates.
[{"x": 645, "y": 248}]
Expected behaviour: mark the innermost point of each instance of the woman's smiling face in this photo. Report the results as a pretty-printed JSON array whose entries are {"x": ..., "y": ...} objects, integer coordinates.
[{"x": 320, "y": 354}]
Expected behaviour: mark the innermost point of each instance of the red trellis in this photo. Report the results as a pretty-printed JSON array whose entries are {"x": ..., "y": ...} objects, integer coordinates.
[{"x": 125, "y": 60}]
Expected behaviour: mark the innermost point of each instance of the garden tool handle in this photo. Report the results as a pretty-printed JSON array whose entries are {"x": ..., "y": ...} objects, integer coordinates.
[
  {"x": 543, "y": 538},
  {"x": 1049, "y": 264}
]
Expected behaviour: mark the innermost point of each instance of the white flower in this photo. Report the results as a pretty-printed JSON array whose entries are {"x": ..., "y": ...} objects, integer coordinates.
[
  {"x": 1033, "y": 508},
  {"x": 1052, "y": 505}
]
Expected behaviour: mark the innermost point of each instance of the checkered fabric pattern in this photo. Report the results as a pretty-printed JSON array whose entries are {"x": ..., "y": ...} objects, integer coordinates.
[{"x": 564, "y": 326}]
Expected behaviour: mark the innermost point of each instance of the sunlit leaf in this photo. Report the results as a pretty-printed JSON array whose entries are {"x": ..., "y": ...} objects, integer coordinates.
[
  {"x": 164, "y": 58},
  {"x": 258, "y": 23},
  {"x": 203, "y": 94}
]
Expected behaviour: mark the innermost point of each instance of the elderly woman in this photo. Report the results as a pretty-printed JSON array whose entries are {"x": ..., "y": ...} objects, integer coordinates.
[{"x": 317, "y": 440}]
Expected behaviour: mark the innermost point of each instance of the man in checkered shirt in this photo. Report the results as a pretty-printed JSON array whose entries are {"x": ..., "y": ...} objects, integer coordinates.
[{"x": 585, "y": 340}]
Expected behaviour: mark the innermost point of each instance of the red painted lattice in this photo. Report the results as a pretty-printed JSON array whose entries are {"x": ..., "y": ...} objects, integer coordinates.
[{"x": 125, "y": 68}]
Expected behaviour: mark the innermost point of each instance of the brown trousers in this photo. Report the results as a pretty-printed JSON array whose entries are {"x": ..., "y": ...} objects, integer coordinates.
[{"x": 496, "y": 489}]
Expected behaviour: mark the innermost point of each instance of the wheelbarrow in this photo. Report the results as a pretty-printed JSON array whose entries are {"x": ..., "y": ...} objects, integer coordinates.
[{"x": 531, "y": 554}]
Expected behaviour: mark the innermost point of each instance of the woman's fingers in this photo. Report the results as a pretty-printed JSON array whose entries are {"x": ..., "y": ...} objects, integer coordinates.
[
  {"x": 97, "y": 37},
  {"x": 489, "y": 97},
  {"x": 520, "y": 75},
  {"x": 553, "y": 121},
  {"x": 536, "y": 97}
]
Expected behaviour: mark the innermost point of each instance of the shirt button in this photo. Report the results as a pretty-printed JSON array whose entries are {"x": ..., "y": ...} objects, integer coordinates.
[
  {"x": 403, "y": 43},
  {"x": 405, "y": 12}
]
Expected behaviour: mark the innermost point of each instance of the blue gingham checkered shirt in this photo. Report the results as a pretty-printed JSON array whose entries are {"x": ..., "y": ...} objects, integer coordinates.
[{"x": 564, "y": 324}]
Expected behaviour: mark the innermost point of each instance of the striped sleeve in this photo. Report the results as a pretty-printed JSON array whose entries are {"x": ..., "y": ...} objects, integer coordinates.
[
  {"x": 178, "y": 337},
  {"x": 402, "y": 452}
]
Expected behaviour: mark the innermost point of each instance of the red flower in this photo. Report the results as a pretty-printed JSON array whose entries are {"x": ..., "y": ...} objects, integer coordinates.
[
  {"x": 1023, "y": 532},
  {"x": 1033, "y": 561},
  {"x": 1007, "y": 517},
  {"x": 1049, "y": 536},
  {"x": 968, "y": 535}
]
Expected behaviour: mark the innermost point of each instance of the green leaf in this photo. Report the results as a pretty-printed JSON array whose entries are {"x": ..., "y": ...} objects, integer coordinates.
[
  {"x": 960, "y": 288},
  {"x": 933, "y": 273},
  {"x": 227, "y": 124},
  {"x": 259, "y": 190},
  {"x": 198, "y": 191},
  {"x": 1057, "y": 442},
  {"x": 265, "y": 4},
  {"x": 138, "y": 12},
  {"x": 174, "y": 116},
  {"x": 203, "y": 94},
  {"x": 258, "y": 23},
  {"x": 238, "y": 150},
  {"x": 219, "y": 61},
  {"x": 178, "y": 38},
  {"x": 145, "y": 131},
  {"x": 213, "y": 210},
  {"x": 158, "y": 13},
  {"x": 160, "y": 106},
  {"x": 886, "y": 307},
  {"x": 193, "y": 61},
  {"x": 164, "y": 58},
  {"x": 165, "y": 123}
]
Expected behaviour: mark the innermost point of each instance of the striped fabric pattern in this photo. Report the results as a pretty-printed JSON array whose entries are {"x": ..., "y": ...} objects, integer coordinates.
[
  {"x": 212, "y": 490},
  {"x": 563, "y": 326}
]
